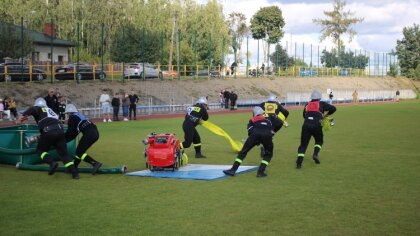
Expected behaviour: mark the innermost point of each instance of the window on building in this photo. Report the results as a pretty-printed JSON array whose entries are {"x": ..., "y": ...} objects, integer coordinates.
[{"x": 60, "y": 59}]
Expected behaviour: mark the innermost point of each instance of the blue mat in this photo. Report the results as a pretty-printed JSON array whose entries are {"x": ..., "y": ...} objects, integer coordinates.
[{"x": 193, "y": 171}]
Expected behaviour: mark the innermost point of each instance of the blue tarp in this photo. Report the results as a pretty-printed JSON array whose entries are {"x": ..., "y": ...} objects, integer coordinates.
[{"x": 193, "y": 171}]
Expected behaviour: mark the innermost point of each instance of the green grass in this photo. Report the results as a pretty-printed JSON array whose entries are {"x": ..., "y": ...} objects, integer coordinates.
[{"x": 368, "y": 184}]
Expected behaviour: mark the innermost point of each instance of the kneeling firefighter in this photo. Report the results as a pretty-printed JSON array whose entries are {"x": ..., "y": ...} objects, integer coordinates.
[
  {"x": 52, "y": 134},
  {"x": 313, "y": 113},
  {"x": 194, "y": 114},
  {"x": 260, "y": 131},
  {"x": 78, "y": 123}
]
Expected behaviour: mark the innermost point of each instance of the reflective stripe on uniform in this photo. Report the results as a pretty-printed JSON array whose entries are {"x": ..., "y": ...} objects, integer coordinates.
[
  {"x": 77, "y": 157},
  {"x": 84, "y": 156},
  {"x": 181, "y": 146},
  {"x": 238, "y": 160},
  {"x": 43, "y": 155},
  {"x": 318, "y": 146},
  {"x": 197, "y": 144},
  {"x": 68, "y": 164},
  {"x": 264, "y": 162},
  {"x": 301, "y": 154}
]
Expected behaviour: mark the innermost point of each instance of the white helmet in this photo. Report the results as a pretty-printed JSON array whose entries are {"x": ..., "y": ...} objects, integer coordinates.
[
  {"x": 202, "y": 100},
  {"x": 257, "y": 111},
  {"x": 316, "y": 95},
  {"x": 70, "y": 108},
  {"x": 272, "y": 98},
  {"x": 40, "y": 102}
]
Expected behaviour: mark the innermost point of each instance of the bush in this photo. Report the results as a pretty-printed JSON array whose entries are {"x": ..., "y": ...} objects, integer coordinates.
[{"x": 417, "y": 72}]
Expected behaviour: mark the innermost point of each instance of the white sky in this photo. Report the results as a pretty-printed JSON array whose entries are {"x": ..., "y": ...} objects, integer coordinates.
[{"x": 383, "y": 22}]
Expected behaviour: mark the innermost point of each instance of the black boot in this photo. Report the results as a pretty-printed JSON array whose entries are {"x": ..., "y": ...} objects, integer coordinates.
[
  {"x": 316, "y": 159},
  {"x": 74, "y": 173},
  {"x": 261, "y": 169},
  {"x": 299, "y": 162},
  {"x": 53, "y": 168},
  {"x": 96, "y": 167},
  {"x": 199, "y": 155},
  {"x": 232, "y": 170}
]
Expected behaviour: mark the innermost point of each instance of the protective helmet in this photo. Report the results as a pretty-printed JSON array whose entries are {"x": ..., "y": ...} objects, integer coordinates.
[
  {"x": 202, "y": 100},
  {"x": 40, "y": 102},
  {"x": 316, "y": 95},
  {"x": 272, "y": 98},
  {"x": 257, "y": 111},
  {"x": 70, "y": 108}
]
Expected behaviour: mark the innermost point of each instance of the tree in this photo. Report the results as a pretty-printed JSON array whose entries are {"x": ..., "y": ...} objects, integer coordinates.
[
  {"x": 238, "y": 31},
  {"x": 338, "y": 22},
  {"x": 408, "y": 50},
  {"x": 279, "y": 58},
  {"x": 267, "y": 24},
  {"x": 11, "y": 42},
  {"x": 341, "y": 58}
]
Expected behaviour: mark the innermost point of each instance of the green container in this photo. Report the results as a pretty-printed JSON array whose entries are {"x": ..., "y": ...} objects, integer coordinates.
[{"x": 14, "y": 150}]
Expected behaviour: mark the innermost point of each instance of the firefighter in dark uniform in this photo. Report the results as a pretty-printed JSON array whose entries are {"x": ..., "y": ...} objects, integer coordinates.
[
  {"x": 61, "y": 110},
  {"x": 52, "y": 134},
  {"x": 78, "y": 123},
  {"x": 194, "y": 114},
  {"x": 260, "y": 131},
  {"x": 313, "y": 113},
  {"x": 273, "y": 110}
]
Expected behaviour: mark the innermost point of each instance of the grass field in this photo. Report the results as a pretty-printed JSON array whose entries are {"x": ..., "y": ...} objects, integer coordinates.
[{"x": 368, "y": 184}]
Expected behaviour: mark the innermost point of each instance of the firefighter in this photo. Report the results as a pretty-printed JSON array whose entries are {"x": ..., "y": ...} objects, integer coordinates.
[
  {"x": 313, "y": 113},
  {"x": 194, "y": 114},
  {"x": 78, "y": 123},
  {"x": 52, "y": 134},
  {"x": 273, "y": 110},
  {"x": 260, "y": 131}
]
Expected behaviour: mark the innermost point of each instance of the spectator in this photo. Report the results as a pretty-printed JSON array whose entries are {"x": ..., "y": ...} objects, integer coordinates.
[
  {"x": 221, "y": 99},
  {"x": 52, "y": 101},
  {"x": 104, "y": 100},
  {"x": 134, "y": 99},
  {"x": 61, "y": 110},
  {"x": 331, "y": 97},
  {"x": 12, "y": 107},
  {"x": 226, "y": 95},
  {"x": 397, "y": 96},
  {"x": 263, "y": 69},
  {"x": 1, "y": 109},
  {"x": 6, "y": 108},
  {"x": 233, "y": 97},
  {"x": 125, "y": 105},
  {"x": 355, "y": 97},
  {"x": 116, "y": 101},
  {"x": 233, "y": 67}
]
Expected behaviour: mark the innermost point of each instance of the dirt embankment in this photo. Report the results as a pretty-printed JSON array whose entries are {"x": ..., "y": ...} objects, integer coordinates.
[{"x": 86, "y": 94}]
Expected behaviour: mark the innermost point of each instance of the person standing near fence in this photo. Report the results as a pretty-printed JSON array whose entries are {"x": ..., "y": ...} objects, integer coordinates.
[
  {"x": 13, "y": 108},
  {"x": 125, "y": 105},
  {"x": 105, "y": 100},
  {"x": 331, "y": 96},
  {"x": 61, "y": 110},
  {"x": 355, "y": 97},
  {"x": 397, "y": 96},
  {"x": 313, "y": 113},
  {"x": 233, "y": 98},
  {"x": 116, "y": 102},
  {"x": 52, "y": 100},
  {"x": 1, "y": 109},
  {"x": 226, "y": 95},
  {"x": 134, "y": 99}
]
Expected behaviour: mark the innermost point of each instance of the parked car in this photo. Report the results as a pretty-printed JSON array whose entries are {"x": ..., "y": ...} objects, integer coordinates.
[
  {"x": 15, "y": 72},
  {"x": 168, "y": 73},
  {"x": 136, "y": 71},
  {"x": 84, "y": 72},
  {"x": 304, "y": 73}
]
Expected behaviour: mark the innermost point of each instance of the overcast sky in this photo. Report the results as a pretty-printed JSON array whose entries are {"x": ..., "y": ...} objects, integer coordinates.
[{"x": 383, "y": 22}]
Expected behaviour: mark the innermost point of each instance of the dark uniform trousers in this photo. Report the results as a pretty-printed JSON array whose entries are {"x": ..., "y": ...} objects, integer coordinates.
[
  {"x": 191, "y": 136},
  {"x": 258, "y": 137},
  {"x": 276, "y": 122},
  {"x": 132, "y": 110},
  {"x": 309, "y": 130},
  {"x": 54, "y": 138},
  {"x": 90, "y": 136}
]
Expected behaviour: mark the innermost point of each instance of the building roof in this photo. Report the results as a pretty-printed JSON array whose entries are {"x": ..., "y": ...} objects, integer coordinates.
[{"x": 40, "y": 38}]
